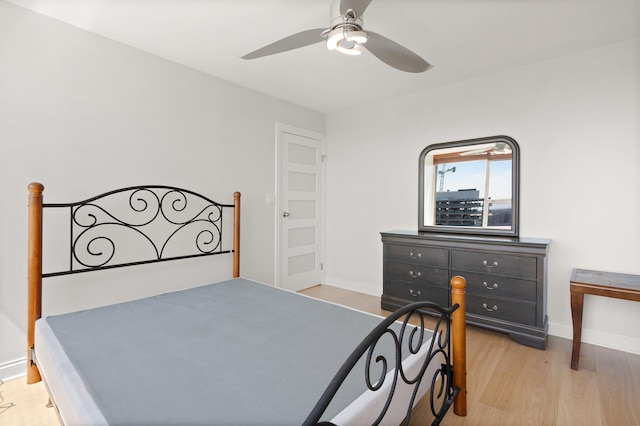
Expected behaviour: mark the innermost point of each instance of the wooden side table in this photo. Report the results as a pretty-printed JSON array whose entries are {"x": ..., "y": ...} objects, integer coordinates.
[{"x": 608, "y": 284}]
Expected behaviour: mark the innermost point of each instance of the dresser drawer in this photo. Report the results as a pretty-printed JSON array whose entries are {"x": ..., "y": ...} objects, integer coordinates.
[
  {"x": 494, "y": 263},
  {"x": 394, "y": 271},
  {"x": 417, "y": 255},
  {"x": 507, "y": 310},
  {"x": 417, "y": 292},
  {"x": 492, "y": 285}
]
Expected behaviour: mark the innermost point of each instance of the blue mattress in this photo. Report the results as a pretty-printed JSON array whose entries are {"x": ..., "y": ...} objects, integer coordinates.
[{"x": 232, "y": 353}]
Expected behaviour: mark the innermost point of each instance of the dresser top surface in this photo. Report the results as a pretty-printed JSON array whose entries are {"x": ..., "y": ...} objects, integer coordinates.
[{"x": 460, "y": 238}]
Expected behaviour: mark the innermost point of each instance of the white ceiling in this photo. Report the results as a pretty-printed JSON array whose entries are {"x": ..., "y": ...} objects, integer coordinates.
[{"x": 461, "y": 38}]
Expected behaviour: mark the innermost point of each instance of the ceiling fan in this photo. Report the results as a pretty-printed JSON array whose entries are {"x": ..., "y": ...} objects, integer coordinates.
[{"x": 346, "y": 35}]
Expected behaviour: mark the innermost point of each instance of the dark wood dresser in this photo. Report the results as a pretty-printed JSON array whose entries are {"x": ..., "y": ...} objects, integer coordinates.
[{"x": 506, "y": 278}]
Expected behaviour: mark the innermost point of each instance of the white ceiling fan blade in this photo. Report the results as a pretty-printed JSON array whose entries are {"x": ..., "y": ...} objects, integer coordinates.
[
  {"x": 358, "y": 6},
  {"x": 395, "y": 55},
  {"x": 295, "y": 41}
]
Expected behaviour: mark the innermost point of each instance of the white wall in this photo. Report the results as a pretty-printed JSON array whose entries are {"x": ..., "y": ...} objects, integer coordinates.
[
  {"x": 84, "y": 115},
  {"x": 577, "y": 121}
]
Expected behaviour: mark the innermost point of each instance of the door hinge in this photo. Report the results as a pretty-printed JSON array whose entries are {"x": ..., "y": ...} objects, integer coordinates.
[
  {"x": 321, "y": 266},
  {"x": 323, "y": 158}
]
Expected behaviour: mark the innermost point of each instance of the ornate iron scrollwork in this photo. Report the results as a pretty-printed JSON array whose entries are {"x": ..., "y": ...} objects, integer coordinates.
[
  {"x": 142, "y": 224},
  {"x": 410, "y": 337}
]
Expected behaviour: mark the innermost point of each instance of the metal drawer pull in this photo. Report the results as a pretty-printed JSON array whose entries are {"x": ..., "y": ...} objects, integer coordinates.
[
  {"x": 493, "y": 287},
  {"x": 413, "y": 293},
  {"x": 489, "y": 267},
  {"x": 415, "y": 256},
  {"x": 416, "y": 275},
  {"x": 495, "y": 308}
]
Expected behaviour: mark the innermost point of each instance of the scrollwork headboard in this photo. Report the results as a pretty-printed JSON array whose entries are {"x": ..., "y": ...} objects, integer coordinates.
[
  {"x": 127, "y": 227},
  {"x": 141, "y": 224}
]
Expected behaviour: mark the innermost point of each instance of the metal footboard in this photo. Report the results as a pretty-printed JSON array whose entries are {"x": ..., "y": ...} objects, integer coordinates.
[{"x": 411, "y": 336}]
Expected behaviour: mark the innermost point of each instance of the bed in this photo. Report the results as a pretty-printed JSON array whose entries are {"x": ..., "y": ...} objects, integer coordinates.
[{"x": 234, "y": 352}]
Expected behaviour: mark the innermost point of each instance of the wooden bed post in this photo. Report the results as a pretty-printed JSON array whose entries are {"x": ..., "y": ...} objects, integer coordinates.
[
  {"x": 34, "y": 275},
  {"x": 459, "y": 321},
  {"x": 236, "y": 234}
]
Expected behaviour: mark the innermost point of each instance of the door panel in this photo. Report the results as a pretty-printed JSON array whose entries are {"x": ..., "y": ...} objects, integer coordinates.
[{"x": 300, "y": 208}]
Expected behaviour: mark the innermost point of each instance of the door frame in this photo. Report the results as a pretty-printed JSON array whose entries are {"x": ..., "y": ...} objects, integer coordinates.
[{"x": 286, "y": 128}]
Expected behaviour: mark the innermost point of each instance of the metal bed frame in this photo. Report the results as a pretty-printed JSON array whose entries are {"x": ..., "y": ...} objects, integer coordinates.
[{"x": 96, "y": 238}]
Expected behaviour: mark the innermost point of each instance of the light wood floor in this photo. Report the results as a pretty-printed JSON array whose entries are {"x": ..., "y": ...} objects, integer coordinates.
[{"x": 508, "y": 384}]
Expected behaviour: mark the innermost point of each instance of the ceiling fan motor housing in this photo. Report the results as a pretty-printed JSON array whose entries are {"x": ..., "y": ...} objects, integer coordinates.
[{"x": 349, "y": 18}]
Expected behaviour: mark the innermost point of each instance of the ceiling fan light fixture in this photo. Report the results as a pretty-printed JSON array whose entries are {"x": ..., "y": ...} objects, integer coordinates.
[
  {"x": 334, "y": 38},
  {"x": 359, "y": 37},
  {"x": 354, "y": 50},
  {"x": 346, "y": 41}
]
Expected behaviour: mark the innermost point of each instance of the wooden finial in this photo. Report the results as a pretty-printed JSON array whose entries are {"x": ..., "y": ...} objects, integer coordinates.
[{"x": 35, "y": 188}]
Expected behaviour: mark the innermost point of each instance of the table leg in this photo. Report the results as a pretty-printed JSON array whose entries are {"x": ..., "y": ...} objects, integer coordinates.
[{"x": 577, "y": 301}]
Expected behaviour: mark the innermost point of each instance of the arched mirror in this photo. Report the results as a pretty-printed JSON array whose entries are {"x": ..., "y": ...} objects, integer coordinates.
[{"x": 470, "y": 187}]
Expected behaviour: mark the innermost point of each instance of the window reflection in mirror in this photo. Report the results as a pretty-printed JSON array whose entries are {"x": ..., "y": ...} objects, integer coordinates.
[{"x": 470, "y": 186}]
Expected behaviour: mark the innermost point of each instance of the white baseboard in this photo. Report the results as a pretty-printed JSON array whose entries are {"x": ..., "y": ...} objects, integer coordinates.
[
  {"x": 354, "y": 286},
  {"x": 598, "y": 338},
  {"x": 13, "y": 369}
]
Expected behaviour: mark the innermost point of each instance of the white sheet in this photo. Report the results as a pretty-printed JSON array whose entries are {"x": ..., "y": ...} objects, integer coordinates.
[{"x": 69, "y": 394}]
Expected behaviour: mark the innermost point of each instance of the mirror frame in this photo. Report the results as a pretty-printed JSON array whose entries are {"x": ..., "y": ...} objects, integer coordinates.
[{"x": 515, "y": 189}]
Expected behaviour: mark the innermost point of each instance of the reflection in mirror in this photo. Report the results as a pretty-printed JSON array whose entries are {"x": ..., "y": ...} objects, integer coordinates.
[{"x": 470, "y": 187}]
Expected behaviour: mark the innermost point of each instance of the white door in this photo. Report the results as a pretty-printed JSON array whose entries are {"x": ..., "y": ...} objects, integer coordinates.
[{"x": 299, "y": 215}]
